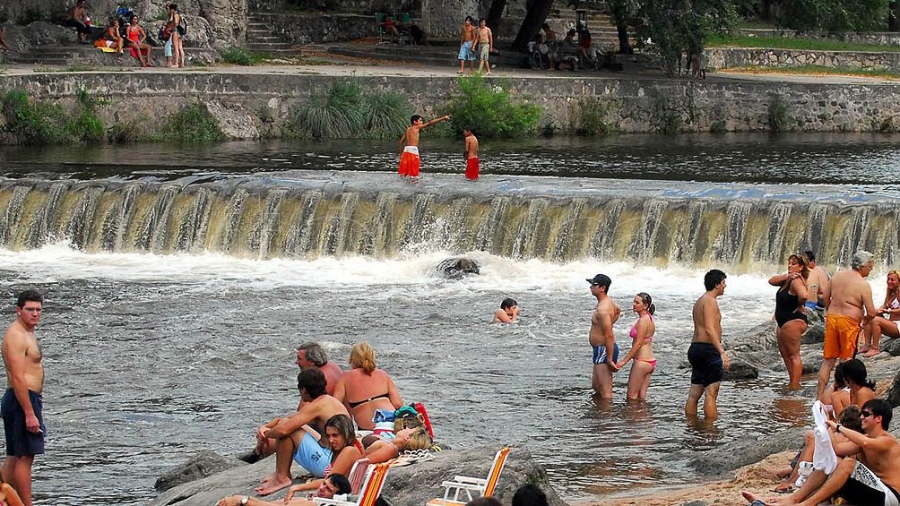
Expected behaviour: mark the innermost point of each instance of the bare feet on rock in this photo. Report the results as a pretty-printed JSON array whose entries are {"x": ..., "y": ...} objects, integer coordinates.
[{"x": 272, "y": 484}]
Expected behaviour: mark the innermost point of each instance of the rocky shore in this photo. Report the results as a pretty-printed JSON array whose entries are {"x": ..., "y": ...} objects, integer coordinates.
[{"x": 750, "y": 463}]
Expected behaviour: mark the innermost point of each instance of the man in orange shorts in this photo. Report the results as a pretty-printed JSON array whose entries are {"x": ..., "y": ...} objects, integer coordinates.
[
  {"x": 471, "y": 152},
  {"x": 848, "y": 305},
  {"x": 409, "y": 145}
]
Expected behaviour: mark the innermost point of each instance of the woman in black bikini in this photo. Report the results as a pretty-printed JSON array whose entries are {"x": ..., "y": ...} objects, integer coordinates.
[
  {"x": 365, "y": 388},
  {"x": 790, "y": 300}
]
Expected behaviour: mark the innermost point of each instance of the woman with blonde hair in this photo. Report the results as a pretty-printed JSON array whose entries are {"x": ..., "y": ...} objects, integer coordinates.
[
  {"x": 886, "y": 324},
  {"x": 365, "y": 388},
  {"x": 790, "y": 305},
  {"x": 411, "y": 439}
]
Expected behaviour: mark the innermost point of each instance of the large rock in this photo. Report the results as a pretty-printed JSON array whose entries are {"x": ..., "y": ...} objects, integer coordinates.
[
  {"x": 204, "y": 463},
  {"x": 457, "y": 267},
  {"x": 410, "y": 485}
]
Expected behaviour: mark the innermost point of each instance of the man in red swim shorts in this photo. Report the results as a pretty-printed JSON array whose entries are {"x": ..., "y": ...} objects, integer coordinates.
[
  {"x": 409, "y": 145},
  {"x": 471, "y": 152}
]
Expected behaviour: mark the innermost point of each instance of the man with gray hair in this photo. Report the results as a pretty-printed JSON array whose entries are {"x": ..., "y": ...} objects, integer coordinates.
[
  {"x": 849, "y": 307},
  {"x": 310, "y": 354}
]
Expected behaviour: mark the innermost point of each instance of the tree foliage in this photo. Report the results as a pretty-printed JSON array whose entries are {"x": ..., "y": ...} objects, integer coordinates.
[{"x": 832, "y": 15}]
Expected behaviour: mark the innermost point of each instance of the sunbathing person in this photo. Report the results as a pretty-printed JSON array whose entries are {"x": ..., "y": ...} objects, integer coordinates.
[
  {"x": 311, "y": 354},
  {"x": 292, "y": 440},
  {"x": 385, "y": 449},
  {"x": 366, "y": 388},
  {"x": 885, "y": 321},
  {"x": 111, "y": 37},
  {"x": 137, "y": 41},
  {"x": 874, "y": 479},
  {"x": 343, "y": 451},
  {"x": 334, "y": 484}
]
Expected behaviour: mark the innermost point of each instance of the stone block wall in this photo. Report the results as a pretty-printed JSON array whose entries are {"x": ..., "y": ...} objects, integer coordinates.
[
  {"x": 719, "y": 58},
  {"x": 250, "y": 106},
  {"x": 306, "y": 27}
]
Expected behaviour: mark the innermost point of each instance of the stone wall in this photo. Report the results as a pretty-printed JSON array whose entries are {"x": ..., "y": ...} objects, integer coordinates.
[
  {"x": 306, "y": 27},
  {"x": 720, "y": 57},
  {"x": 880, "y": 38},
  {"x": 251, "y": 106}
]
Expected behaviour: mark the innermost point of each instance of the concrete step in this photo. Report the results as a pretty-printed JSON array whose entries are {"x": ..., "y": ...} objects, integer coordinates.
[{"x": 257, "y": 48}]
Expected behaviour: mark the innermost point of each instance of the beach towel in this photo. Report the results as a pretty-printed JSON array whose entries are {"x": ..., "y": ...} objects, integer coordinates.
[{"x": 824, "y": 457}]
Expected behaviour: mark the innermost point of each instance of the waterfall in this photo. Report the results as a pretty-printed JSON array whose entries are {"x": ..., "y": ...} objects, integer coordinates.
[{"x": 258, "y": 221}]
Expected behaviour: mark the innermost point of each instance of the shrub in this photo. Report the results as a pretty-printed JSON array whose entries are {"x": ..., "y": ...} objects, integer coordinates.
[
  {"x": 491, "y": 109},
  {"x": 39, "y": 122},
  {"x": 238, "y": 56},
  {"x": 385, "y": 114},
  {"x": 193, "y": 123},
  {"x": 778, "y": 114},
  {"x": 592, "y": 120},
  {"x": 345, "y": 112}
]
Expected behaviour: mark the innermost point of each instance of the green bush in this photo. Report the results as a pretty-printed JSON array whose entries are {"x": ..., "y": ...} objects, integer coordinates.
[
  {"x": 193, "y": 123},
  {"x": 592, "y": 120},
  {"x": 833, "y": 15},
  {"x": 39, "y": 122},
  {"x": 778, "y": 114},
  {"x": 344, "y": 111},
  {"x": 491, "y": 110}
]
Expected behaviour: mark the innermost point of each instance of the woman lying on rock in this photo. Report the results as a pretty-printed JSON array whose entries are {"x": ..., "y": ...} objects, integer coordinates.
[{"x": 384, "y": 449}]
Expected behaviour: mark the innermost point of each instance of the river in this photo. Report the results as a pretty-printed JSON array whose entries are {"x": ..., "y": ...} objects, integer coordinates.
[{"x": 153, "y": 353}]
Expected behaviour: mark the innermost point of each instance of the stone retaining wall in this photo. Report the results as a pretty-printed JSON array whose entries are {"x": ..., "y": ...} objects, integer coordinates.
[
  {"x": 722, "y": 57},
  {"x": 250, "y": 106},
  {"x": 880, "y": 38}
]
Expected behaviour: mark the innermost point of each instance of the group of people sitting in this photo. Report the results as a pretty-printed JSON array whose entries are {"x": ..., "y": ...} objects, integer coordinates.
[
  {"x": 321, "y": 436},
  {"x": 124, "y": 31},
  {"x": 851, "y": 454},
  {"x": 575, "y": 51}
]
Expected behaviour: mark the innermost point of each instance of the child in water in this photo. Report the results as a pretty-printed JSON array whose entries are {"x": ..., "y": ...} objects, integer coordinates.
[{"x": 508, "y": 312}]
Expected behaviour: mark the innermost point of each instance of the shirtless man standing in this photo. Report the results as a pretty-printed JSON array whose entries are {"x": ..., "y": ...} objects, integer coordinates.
[
  {"x": 706, "y": 354},
  {"x": 849, "y": 307},
  {"x": 293, "y": 440},
  {"x": 484, "y": 45},
  {"x": 467, "y": 45},
  {"x": 409, "y": 145},
  {"x": 22, "y": 403},
  {"x": 601, "y": 336},
  {"x": 816, "y": 283}
]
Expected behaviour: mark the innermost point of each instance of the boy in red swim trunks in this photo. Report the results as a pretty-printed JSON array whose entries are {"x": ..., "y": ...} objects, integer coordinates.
[
  {"x": 409, "y": 145},
  {"x": 471, "y": 152}
]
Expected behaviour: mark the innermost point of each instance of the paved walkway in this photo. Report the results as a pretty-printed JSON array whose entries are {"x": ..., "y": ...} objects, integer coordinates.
[{"x": 322, "y": 63}]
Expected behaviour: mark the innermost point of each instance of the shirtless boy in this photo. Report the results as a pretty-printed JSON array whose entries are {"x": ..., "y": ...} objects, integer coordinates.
[
  {"x": 849, "y": 306},
  {"x": 508, "y": 312},
  {"x": 606, "y": 351},
  {"x": 22, "y": 404},
  {"x": 467, "y": 45},
  {"x": 484, "y": 45},
  {"x": 706, "y": 354},
  {"x": 409, "y": 145},
  {"x": 471, "y": 153},
  {"x": 816, "y": 283},
  {"x": 873, "y": 479}
]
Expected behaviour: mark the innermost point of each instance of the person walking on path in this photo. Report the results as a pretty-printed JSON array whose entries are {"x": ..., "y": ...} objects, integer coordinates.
[
  {"x": 484, "y": 45},
  {"x": 849, "y": 306},
  {"x": 471, "y": 153},
  {"x": 606, "y": 351},
  {"x": 467, "y": 45},
  {"x": 409, "y": 145},
  {"x": 706, "y": 353},
  {"x": 22, "y": 404}
]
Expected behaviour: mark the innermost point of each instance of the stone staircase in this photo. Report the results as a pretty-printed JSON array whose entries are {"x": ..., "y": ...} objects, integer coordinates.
[
  {"x": 260, "y": 39},
  {"x": 50, "y": 55}
]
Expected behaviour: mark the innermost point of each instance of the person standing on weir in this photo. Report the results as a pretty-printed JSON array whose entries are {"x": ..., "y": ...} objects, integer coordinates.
[{"x": 409, "y": 145}]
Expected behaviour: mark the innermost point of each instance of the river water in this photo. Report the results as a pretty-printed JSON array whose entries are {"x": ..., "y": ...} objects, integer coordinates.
[{"x": 150, "y": 358}]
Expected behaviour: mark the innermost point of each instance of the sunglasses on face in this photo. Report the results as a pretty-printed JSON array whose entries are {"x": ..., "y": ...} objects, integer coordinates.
[{"x": 865, "y": 414}]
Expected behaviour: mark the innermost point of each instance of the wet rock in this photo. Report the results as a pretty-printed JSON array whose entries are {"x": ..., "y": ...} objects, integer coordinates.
[
  {"x": 457, "y": 268},
  {"x": 815, "y": 333},
  {"x": 741, "y": 371},
  {"x": 410, "y": 485},
  {"x": 892, "y": 346},
  {"x": 204, "y": 463},
  {"x": 736, "y": 454},
  {"x": 893, "y": 393}
]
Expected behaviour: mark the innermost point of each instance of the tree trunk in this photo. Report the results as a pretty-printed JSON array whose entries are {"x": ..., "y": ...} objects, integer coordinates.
[
  {"x": 495, "y": 16},
  {"x": 531, "y": 25},
  {"x": 620, "y": 16},
  {"x": 894, "y": 17},
  {"x": 624, "y": 44}
]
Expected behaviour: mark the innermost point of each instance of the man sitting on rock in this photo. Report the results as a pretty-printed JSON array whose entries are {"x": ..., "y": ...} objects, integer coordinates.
[
  {"x": 874, "y": 479},
  {"x": 334, "y": 484},
  {"x": 291, "y": 436},
  {"x": 310, "y": 354}
]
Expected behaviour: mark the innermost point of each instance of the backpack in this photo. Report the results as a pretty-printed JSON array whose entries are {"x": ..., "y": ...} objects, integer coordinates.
[
  {"x": 182, "y": 26},
  {"x": 164, "y": 33}
]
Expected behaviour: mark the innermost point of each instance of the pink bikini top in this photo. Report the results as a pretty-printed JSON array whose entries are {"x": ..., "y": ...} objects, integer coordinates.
[{"x": 633, "y": 332}]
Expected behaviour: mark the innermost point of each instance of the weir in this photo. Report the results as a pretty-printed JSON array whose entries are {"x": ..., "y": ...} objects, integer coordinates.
[{"x": 259, "y": 217}]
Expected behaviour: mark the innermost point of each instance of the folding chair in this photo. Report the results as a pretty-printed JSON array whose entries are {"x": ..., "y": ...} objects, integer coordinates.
[
  {"x": 358, "y": 475},
  {"x": 484, "y": 487},
  {"x": 368, "y": 494}
]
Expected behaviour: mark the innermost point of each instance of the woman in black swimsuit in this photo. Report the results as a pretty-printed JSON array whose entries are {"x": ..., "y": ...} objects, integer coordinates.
[{"x": 790, "y": 300}]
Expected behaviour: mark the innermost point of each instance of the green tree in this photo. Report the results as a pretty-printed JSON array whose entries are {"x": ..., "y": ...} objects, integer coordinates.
[{"x": 833, "y": 15}]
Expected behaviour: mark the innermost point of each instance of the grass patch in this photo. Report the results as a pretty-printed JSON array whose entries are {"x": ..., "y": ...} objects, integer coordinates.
[
  {"x": 815, "y": 70},
  {"x": 796, "y": 43},
  {"x": 41, "y": 122},
  {"x": 344, "y": 112},
  {"x": 238, "y": 56}
]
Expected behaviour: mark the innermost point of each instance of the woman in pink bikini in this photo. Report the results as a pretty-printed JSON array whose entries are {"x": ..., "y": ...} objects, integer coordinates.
[{"x": 641, "y": 348}]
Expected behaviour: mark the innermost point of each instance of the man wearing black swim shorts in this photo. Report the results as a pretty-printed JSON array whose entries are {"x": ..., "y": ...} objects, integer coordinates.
[
  {"x": 706, "y": 354},
  {"x": 22, "y": 403}
]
